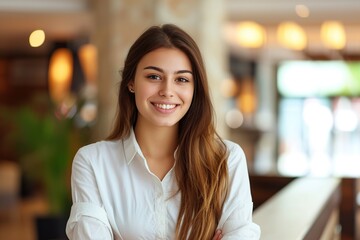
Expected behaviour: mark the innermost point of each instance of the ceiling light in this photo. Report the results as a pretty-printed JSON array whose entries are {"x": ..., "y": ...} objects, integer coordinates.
[
  {"x": 37, "y": 38},
  {"x": 333, "y": 34},
  {"x": 60, "y": 74},
  {"x": 88, "y": 59},
  {"x": 302, "y": 10},
  {"x": 291, "y": 35},
  {"x": 250, "y": 34}
]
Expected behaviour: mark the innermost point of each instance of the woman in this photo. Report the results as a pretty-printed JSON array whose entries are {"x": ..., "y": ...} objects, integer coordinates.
[{"x": 163, "y": 173}]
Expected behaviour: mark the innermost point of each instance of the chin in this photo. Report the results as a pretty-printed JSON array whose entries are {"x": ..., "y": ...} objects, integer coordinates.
[{"x": 167, "y": 124}]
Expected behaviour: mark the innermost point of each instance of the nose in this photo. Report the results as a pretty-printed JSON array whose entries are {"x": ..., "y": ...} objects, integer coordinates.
[{"x": 166, "y": 89}]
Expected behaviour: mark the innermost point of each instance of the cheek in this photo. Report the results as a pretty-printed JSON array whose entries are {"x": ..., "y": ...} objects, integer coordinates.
[
  {"x": 139, "y": 97},
  {"x": 188, "y": 95},
  {"x": 142, "y": 92},
  {"x": 142, "y": 96}
]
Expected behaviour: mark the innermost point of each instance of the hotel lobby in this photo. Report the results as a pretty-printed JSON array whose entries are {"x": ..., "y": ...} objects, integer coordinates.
[{"x": 284, "y": 80}]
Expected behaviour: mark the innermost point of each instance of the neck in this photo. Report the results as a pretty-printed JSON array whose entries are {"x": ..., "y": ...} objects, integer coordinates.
[{"x": 157, "y": 142}]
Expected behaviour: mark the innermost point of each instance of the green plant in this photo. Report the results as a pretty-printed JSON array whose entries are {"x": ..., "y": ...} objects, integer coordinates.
[{"x": 45, "y": 146}]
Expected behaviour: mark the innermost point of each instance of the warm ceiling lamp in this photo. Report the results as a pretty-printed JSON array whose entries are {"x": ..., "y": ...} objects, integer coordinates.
[
  {"x": 88, "y": 60},
  {"x": 250, "y": 34},
  {"x": 37, "y": 38},
  {"x": 333, "y": 34},
  {"x": 302, "y": 10},
  {"x": 60, "y": 74},
  {"x": 291, "y": 35}
]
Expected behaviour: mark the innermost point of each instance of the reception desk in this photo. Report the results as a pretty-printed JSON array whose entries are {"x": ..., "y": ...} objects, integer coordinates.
[{"x": 305, "y": 208}]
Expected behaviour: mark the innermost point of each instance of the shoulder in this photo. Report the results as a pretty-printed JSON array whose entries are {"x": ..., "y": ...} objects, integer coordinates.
[
  {"x": 93, "y": 148},
  {"x": 236, "y": 155},
  {"x": 233, "y": 147},
  {"x": 96, "y": 146},
  {"x": 97, "y": 151}
]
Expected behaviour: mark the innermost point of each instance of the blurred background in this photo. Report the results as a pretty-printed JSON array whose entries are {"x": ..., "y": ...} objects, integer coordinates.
[{"x": 284, "y": 75}]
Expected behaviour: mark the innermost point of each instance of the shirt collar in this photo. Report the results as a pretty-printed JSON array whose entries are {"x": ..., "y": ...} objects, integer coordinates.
[{"x": 131, "y": 147}]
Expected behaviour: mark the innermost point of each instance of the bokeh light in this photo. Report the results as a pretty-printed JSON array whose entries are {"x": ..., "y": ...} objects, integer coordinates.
[
  {"x": 37, "y": 38},
  {"x": 229, "y": 88},
  {"x": 291, "y": 35},
  {"x": 302, "y": 10},
  {"x": 234, "y": 118},
  {"x": 333, "y": 34},
  {"x": 250, "y": 34}
]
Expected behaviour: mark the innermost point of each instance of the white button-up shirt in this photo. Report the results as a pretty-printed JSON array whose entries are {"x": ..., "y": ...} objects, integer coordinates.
[{"x": 116, "y": 196}]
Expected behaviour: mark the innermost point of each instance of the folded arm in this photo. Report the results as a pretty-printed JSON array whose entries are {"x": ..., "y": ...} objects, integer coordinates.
[{"x": 88, "y": 219}]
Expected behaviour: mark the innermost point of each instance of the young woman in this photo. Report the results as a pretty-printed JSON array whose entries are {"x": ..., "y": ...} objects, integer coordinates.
[{"x": 163, "y": 173}]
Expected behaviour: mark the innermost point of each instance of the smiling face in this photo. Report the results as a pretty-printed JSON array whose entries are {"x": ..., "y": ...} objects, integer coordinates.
[{"x": 163, "y": 87}]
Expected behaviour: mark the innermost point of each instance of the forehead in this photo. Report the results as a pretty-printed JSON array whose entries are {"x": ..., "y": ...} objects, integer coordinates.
[{"x": 167, "y": 59}]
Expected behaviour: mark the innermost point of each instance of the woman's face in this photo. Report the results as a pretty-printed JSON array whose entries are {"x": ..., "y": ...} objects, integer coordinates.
[{"x": 164, "y": 87}]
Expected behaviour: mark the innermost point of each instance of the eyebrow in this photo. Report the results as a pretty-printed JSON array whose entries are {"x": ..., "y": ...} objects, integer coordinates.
[{"x": 162, "y": 71}]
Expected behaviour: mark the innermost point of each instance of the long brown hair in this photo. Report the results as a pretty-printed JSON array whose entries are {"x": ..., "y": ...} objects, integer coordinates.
[{"x": 201, "y": 166}]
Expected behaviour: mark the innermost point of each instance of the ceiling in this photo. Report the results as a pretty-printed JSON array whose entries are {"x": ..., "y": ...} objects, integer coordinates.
[
  {"x": 67, "y": 19},
  {"x": 269, "y": 12},
  {"x": 60, "y": 19}
]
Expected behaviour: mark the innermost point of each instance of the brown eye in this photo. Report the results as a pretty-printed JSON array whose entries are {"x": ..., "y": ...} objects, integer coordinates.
[
  {"x": 183, "y": 80},
  {"x": 154, "y": 77}
]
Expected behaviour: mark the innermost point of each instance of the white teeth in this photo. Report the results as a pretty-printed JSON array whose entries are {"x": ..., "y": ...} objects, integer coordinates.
[{"x": 165, "y": 106}]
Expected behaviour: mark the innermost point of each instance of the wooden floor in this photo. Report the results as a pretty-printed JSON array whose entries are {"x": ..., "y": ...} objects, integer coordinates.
[{"x": 17, "y": 221}]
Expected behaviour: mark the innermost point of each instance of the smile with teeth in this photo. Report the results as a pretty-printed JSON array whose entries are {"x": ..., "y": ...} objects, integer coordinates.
[{"x": 165, "y": 106}]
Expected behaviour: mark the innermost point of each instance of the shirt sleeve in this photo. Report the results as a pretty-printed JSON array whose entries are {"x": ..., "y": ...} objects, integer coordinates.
[
  {"x": 88, "y": 219},
  {"x": 236, "y": 221}
]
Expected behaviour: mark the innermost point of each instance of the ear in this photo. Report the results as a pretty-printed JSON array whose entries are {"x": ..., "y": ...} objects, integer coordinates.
[{"x": 131, "y": 86}]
